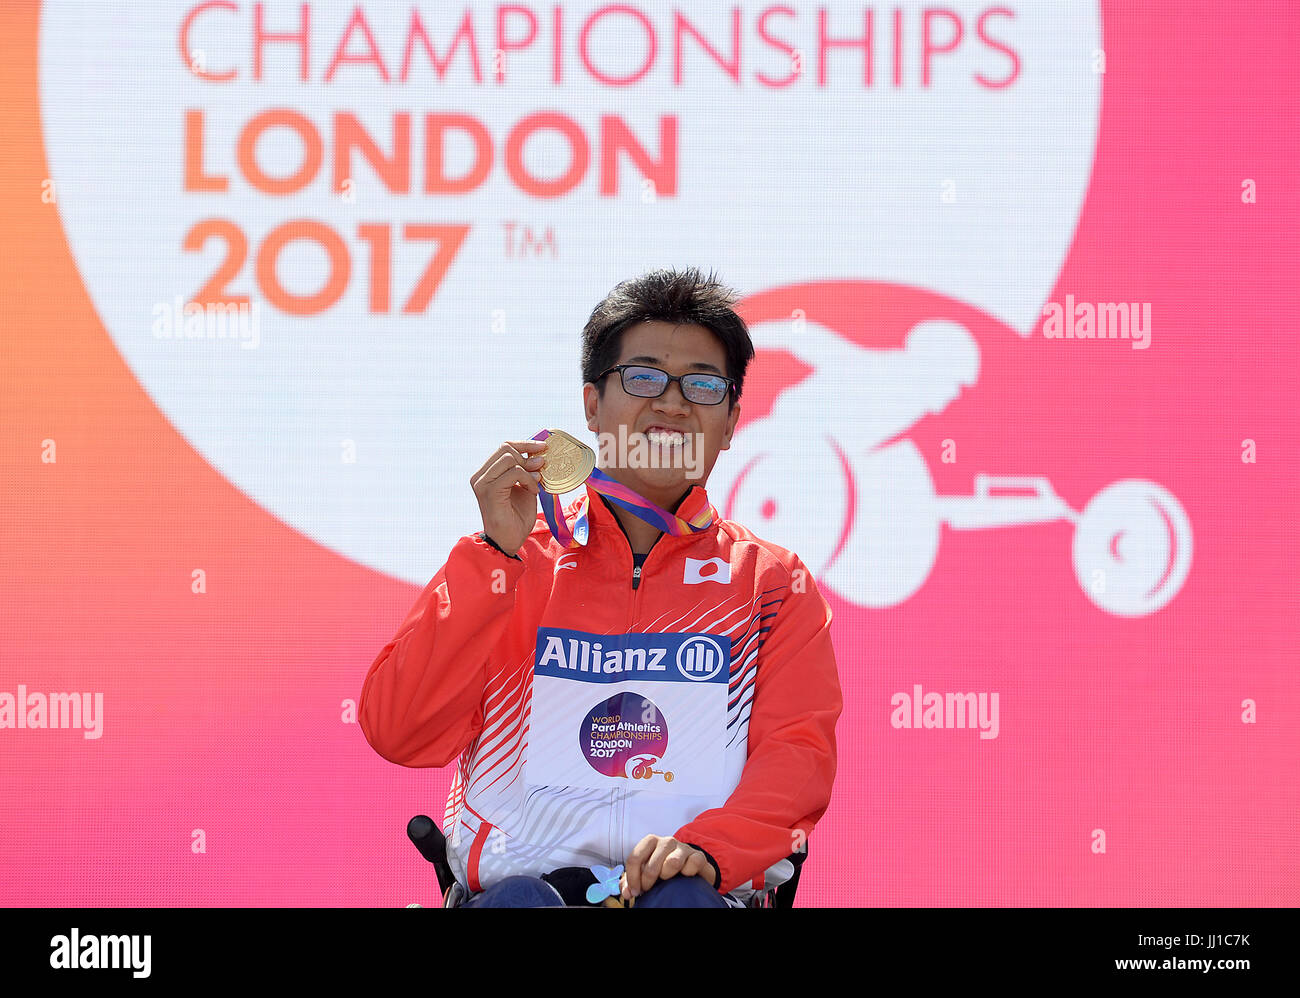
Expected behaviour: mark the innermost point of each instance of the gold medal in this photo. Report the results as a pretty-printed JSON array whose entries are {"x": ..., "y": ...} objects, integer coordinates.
[{"x": 566, "y": 463}]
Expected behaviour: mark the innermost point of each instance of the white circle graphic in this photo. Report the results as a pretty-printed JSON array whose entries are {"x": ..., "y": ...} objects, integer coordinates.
[{"x": 360, "y": 423}]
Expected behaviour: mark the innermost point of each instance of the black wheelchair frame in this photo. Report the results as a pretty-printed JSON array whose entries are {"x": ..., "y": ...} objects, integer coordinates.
[{"x": 432, "y": 844}]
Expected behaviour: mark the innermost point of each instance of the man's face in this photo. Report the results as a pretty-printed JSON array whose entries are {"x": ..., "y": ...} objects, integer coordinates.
[{"x": 677, "y": 349}]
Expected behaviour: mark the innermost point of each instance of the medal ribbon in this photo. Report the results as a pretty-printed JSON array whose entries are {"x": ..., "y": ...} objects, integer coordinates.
[{"x": 616, "y": 492}]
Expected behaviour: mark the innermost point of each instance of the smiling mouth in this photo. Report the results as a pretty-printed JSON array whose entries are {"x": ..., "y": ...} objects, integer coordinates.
[{"x": 661, "y": 436}]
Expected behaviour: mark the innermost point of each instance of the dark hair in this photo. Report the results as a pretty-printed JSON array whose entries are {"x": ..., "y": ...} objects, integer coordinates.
[{"x": 671, "y": 296}]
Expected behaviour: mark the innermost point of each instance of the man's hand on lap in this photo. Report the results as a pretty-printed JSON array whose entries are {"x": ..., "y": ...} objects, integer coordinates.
[{"x": 661, "y": 857}]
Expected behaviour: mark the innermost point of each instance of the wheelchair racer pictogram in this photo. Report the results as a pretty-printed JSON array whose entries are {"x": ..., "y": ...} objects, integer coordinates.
[
  {"x": 639, "y": 768},
  {"x": 855, "y": 498}
]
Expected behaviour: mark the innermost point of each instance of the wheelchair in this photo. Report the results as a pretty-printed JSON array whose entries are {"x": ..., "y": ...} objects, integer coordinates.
[{"x": 427, "y": 837}]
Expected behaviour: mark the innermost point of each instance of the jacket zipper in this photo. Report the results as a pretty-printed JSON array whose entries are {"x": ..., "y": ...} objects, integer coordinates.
[
  {"x": 618, "y": 815},
  {"x": 637, "y": 571}
]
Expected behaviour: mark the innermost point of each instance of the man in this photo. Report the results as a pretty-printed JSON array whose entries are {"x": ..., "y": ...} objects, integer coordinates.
[{"x": 715, "y": 756}]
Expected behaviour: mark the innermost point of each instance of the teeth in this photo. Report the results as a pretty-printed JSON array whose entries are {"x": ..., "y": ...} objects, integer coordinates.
[{"x": 664, "y": 436}]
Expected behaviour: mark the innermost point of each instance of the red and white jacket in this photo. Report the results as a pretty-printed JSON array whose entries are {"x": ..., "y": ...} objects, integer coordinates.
[{"x": 456, "y": 683}]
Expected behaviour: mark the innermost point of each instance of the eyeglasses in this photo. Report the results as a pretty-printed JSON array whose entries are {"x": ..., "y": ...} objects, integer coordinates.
[{"x": 650, "y": 383}]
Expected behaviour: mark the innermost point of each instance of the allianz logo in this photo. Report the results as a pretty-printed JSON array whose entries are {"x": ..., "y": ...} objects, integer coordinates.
[{"x": 697, "y": 657}]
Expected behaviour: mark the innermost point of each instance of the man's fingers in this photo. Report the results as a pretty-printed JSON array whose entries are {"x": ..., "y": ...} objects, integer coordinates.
[
  {"x": 654, "y": 866},
  {"x": 507, "y": 470},
  {"x": 656, "y": 858},
  {"x": 672, "y": 864},
  {"x": 519, "y": 469},
  {"x": 685, "y": 861},
  {"x": 696, "y": 865},
  {"x": 635, "y": 860},
  {"x": 508, "y": 454},
  {"x": 492, "y": 469},
  {"x": 527, "y": 470},
  {"x": 520, "y": 447},
  {"x": 639, "y": 862}
]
